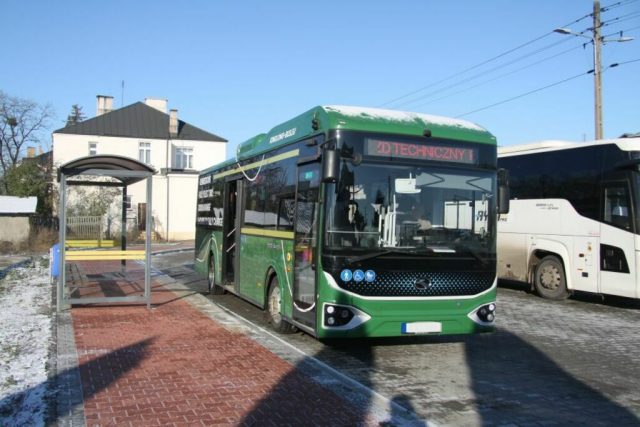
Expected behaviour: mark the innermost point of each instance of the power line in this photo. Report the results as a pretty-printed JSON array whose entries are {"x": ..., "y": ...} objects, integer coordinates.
[
  {"x": 525, "y": 94},
  {"x": 620, "y": 19},
  {"x": 473, "y": 67},
  {"x": 476, "y": 76},
  {"x": 501, "y": 76},
  {"x": 622, "y": 31},
  {"x": 617, "y": 5},
  {"x": 617, "y": 64}
]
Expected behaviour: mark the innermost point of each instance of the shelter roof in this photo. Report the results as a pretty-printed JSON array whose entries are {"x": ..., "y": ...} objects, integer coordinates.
[{"x": 125, "y": 169}]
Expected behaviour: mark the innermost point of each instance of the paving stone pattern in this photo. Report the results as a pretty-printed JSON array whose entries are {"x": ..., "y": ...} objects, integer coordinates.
[{"x": 172, "y": 365}]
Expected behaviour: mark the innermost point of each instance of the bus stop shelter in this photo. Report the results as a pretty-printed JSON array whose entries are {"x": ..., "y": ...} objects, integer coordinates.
[{"x": 102, "y": 171}]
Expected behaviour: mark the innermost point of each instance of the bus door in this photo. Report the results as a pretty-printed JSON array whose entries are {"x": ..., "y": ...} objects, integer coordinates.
[
  {"x": 231, "y": 221},
  {"x": 306, "y": 217},
  {"x": 617, "y": 241}
]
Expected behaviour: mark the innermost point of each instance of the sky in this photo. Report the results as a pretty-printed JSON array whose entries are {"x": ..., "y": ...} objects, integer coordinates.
[{"x": 239, "y": 68}]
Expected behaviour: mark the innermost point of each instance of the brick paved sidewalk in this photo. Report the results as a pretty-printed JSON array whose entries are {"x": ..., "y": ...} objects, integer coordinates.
[{"x": 172, "y": 365}]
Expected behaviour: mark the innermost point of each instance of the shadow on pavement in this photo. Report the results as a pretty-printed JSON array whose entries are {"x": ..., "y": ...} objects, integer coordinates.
[
  {"x": 298, "y": 399},
  {"x": 515, "y": 383},
  {"x": 103, "y": 370}
]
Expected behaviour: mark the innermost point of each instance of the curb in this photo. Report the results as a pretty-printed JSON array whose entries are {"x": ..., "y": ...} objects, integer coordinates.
[{"x": 172, "y": 251}]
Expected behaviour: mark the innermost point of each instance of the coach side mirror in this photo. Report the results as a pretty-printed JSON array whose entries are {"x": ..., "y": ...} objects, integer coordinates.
[
  {"x": 330, "y": 165},
  {"x": 503, "y": 191}
]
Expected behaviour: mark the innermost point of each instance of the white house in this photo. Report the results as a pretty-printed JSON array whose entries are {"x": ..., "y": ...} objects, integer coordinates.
[{"x": 145, "y": 132}]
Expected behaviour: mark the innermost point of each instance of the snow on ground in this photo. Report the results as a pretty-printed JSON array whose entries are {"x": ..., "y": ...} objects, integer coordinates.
[{"x": 25, "y": 336}]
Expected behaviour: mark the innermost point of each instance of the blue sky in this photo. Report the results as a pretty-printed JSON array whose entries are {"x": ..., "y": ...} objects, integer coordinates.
[{"x": 238, "y": 68}]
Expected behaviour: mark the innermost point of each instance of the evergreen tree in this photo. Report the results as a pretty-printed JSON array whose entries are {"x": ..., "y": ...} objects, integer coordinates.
[{"x": 76, "y": 115}]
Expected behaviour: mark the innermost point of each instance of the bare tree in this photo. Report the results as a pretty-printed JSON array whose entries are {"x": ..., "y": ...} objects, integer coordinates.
[{"x": 21, "y": 124}]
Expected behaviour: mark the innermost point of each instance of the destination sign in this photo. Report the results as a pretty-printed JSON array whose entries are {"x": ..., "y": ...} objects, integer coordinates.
[{"x": 440, "y": 153}]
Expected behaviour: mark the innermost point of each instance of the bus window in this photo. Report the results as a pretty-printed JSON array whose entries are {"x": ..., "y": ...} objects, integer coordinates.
[{"x": 616, "y": 205}]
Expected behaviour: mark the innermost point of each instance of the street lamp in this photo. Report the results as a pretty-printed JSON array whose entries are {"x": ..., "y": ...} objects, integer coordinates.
[{"x": 596, "y": 40}]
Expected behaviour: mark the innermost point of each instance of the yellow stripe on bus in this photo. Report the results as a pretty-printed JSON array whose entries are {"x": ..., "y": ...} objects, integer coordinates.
[
  {"x": 267, "y": 233},
  {"x": 287, "y": 155}
]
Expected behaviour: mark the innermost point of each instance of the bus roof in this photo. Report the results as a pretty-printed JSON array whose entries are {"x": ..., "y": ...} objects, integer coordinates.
[
  {"x": 329, "y": 117},
  {"x": 625, "y": 144}
]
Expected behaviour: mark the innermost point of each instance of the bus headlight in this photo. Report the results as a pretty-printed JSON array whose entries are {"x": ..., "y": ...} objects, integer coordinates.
[
  {"x": 484, "y": 314},
  {"x": 337, "y": 315}
]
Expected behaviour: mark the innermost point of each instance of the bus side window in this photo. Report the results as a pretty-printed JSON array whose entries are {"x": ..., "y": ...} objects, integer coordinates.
[{"x": 616, "y": 205}]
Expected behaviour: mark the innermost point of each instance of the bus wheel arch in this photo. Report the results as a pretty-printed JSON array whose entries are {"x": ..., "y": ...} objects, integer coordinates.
[
  {"x": 214, "y": 287},
  {"x": 549, "y": 276},
  {"x": 274, "y": 307}
]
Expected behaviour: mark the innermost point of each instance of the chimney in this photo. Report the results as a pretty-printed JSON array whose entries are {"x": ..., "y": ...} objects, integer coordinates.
[
  {"x": 104, "y": 104},
  {"x": 31, "y": 152},
  {"x": 173, "y": 123},
  {"x": 157, "y": 103}
]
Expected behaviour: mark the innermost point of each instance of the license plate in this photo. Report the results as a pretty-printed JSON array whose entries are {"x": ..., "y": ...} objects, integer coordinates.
[{"x": 421, "y": 327}]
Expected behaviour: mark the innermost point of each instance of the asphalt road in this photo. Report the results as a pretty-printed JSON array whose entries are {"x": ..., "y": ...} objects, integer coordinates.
[{"x": 574, "y": 362}]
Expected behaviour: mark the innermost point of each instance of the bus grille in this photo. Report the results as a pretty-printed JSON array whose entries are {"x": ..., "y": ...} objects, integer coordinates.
[{"x": 421, "y": 284}]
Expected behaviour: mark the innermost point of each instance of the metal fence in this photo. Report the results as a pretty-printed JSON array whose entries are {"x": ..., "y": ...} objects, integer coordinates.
[
  {"x": 39, "y": 222},
  {"x": 84, "y": 227}
]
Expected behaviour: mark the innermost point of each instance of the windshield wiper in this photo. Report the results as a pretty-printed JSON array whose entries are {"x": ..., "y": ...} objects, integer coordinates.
[{"x": 373, "y": 255}]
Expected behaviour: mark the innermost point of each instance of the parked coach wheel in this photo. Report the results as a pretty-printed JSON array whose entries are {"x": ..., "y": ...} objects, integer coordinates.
[{"x": 550, "y": 279}]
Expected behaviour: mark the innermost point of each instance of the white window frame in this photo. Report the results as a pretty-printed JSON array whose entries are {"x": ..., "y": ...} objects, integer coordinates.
[
  {"x": 183, "y": 158},
  {"x": 144, "y": 152}
]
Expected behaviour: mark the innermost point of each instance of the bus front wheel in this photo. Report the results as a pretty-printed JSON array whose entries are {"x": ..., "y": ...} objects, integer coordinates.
[
  {"x": 550, "y": 280},
  {"x": 214, "y": 288},
  {"x": 274, "y": 306}
]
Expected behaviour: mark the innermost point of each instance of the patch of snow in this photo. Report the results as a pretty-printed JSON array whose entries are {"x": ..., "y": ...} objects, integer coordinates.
[
  {"x": 25, "y": 335},
  {"x": 15, "y": 205},
  {"x": 402, "y": 116}
]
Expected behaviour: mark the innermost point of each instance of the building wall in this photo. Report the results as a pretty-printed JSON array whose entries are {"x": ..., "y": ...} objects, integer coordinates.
[
  {"x": 174, "y": 193},
  {"x": 14, "y": 229}
]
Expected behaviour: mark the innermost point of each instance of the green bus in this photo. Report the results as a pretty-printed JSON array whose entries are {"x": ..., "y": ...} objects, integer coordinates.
[{"x": 357, "y": 222}]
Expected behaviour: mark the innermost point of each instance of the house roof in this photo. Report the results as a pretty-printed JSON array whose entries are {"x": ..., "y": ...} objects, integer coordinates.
[
  {"x": 18, "y": 205},
  {"x": 137, "y": 121}
]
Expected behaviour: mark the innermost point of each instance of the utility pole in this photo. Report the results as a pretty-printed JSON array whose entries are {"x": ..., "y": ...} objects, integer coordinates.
[
  {"x": 597, "y": 68},
  {"x": 597, "y": 40}
]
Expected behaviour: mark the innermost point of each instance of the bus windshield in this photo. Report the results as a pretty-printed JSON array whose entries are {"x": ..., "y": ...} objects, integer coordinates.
[{"x": 418, "y": 209}]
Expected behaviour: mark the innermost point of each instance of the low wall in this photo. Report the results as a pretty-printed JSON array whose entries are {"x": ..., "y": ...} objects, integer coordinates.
[{"x": 14, "y": 229}]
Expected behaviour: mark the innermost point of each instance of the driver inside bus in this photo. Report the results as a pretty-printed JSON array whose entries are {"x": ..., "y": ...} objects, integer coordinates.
[{"x": 414, "y": 213}]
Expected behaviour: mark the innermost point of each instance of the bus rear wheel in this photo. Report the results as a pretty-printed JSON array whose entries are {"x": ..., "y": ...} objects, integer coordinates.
[
  {"x": 274, "y": 309},
  {"x": 214, "y": 288},
  {"x": 550, "y": 280}
]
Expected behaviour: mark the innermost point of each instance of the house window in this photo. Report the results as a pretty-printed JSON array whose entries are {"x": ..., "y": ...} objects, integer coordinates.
[
  {"x": 127, "y": 202},
  {"x": 93, "y": 148},
  {"x": 144, "y": 152},
  {"x": 184, "y": 158}
]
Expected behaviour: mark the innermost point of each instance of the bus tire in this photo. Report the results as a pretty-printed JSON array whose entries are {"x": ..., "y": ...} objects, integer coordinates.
[
  {"x": 550, "y": 280},
  {"x": 274, "y": 307},
  {"x": 214, "y": 288}
]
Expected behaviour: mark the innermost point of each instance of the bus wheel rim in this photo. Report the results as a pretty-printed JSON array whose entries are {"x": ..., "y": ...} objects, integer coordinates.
[
  {"x": 550, "y": 277},
  {"x": 274, "y": 304},
  {"x": 212, "y": 274}
]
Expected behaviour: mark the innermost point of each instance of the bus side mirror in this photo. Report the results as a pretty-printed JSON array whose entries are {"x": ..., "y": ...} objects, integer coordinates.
[
  {"x": 330, "y": 165},
  {"x": 503, "y": 191}
]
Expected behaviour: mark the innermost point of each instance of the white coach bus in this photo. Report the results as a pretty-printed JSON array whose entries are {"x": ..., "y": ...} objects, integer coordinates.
[{"x": 574, "y": 218}]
